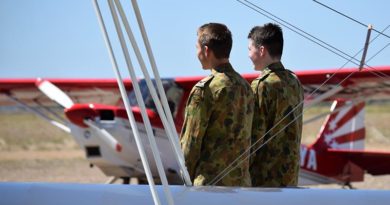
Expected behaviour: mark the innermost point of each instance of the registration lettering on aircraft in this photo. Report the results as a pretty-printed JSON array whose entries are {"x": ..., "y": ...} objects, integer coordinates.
[{"x": 308, "y": 158}]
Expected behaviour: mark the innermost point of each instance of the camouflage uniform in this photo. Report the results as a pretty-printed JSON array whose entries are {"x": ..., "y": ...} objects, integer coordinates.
[
  {"x": 276, "y": 92},
  {"x": 217, "y": 127}
]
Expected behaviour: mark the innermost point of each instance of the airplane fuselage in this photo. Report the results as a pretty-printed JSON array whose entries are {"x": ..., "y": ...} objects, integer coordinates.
[{"x": 316, "y": 166}]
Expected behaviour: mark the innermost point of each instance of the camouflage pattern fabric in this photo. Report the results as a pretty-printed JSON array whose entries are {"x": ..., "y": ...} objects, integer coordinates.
[
  {"x": 217, "y": 127},
  {"x": 277, "y": 92}
]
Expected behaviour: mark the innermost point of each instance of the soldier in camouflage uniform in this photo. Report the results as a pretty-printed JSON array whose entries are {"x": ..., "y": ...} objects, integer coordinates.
[
  {"x": 218, "y": 116},
  {"x": 278, "y": 112}
]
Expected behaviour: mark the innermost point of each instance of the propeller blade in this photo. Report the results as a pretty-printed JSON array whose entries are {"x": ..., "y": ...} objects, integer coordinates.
[{"x": 54, "y": 93}]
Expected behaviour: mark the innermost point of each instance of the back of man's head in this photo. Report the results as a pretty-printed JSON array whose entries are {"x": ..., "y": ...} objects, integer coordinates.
[
  {"x": 269, "y": 35},
  {"x": 216, "y": 37}
]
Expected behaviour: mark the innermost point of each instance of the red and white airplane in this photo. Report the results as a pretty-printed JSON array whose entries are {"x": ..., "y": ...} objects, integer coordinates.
[{"x": 98, "y": 121}]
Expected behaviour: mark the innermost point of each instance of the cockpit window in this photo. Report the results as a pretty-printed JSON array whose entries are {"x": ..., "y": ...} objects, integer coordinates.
[{"x": 173, "y": 92}]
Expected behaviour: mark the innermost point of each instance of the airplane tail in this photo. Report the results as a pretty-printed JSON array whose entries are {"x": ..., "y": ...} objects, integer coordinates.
[
  {"x": 341, "y": 140},
  {"x": 344, "y": 127}
]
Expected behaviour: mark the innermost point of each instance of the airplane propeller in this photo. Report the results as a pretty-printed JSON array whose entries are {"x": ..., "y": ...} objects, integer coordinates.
[
  {"x": 54, "y": 93},
  {"x": 59, "y": 96}
]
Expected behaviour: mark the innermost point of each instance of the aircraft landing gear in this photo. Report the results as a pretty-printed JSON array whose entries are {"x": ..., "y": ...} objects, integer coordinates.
[
  {"x": 126, "y": 180},
  {"x": 348, "y": 185}
]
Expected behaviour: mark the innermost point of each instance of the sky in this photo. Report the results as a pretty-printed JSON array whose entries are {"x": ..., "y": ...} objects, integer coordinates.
[{"x": 62, "y": 38}]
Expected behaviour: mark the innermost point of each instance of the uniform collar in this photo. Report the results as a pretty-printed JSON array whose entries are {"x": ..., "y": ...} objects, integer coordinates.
[
  {"x": 222, "y": 68},
  {"x": 278, "y": 66}
]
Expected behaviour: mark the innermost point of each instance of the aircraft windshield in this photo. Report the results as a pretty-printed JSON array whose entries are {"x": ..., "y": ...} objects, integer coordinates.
[{"x": 173, "y": 92}]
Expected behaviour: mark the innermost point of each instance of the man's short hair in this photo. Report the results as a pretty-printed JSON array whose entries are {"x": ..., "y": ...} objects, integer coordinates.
[
  {"x": 217, "y": 37},
  {"x": 269, "y": 35}
]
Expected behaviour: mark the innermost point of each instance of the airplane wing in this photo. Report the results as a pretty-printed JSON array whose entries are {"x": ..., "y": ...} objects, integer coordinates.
[
  {"x": 346, "y": 83},
  {"x": 373, "y": 162},
  {"x": 372, "y": 82},
  {"x": 98, "y": 194},
  {"x": 104, "y": 91}
]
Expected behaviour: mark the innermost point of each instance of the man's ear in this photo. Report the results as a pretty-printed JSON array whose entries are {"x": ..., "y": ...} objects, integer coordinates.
[
  {"x": 262, "y": 50},
  {"x": 206, "y": 51}
]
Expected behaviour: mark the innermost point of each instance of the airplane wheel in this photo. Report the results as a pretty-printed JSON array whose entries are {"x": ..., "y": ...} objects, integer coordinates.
[
  {"x": 348, "y": 185},
  {"x": 126, "y": 180},
  {"x": 142, "y": 181}
]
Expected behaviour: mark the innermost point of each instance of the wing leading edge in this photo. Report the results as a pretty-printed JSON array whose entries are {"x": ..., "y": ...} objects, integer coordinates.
[{"x": 103, "y": 91}]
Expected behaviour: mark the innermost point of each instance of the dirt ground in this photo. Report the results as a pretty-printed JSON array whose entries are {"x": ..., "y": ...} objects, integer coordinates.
[
  {"x": 33, "y": 151},
  {"x": 48, "y": 166}
]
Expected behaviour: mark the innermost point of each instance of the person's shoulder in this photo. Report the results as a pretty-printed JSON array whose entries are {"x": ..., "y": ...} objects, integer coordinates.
[
  {"x": 204, "y": 82},
  {"x": 290, "y": 78},
  {"x": 270, "y": 79},
  {"x": 228, "y": 81},
  {"x": 219, "y": 81},
  {"x": 293, "y": 76}
]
